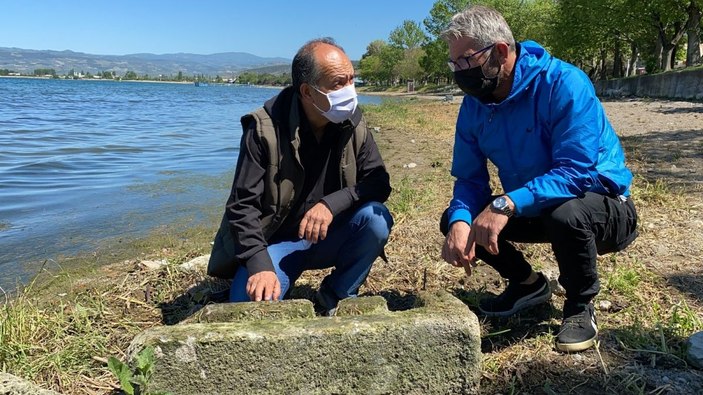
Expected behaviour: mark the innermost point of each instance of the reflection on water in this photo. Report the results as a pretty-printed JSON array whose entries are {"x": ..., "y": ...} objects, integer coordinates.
[{"x": 86, "y": 161}]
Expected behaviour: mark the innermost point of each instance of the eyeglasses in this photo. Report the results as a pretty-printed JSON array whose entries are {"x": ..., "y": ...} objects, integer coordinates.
[{"x": 464, "y": 62}]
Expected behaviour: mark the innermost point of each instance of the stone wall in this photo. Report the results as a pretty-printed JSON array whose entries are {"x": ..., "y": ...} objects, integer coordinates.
[
  {"x": 686, "y": 84},
  {"x": 283, "y": 348}
]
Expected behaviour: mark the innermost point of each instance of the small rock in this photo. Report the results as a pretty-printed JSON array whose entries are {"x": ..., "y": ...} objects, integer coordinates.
[
  {"x": 605, "y": 305},
  {"x": 695, "y": 350},
  {"x": 198, "y": 264},
  {"x": 412, "y": 165},
  {"x": 154, "y": 265},
  {"x": 553, "y": 278},
  {"x": 412, "y": 140},
  {"x": 376, "y": 129}
]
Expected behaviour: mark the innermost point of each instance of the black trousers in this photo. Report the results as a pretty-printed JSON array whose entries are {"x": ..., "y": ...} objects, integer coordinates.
[{"x": 578, "y": 230}]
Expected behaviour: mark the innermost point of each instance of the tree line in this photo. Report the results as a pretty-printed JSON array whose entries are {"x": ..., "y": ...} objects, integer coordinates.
[{"x": 605, "y": 38}]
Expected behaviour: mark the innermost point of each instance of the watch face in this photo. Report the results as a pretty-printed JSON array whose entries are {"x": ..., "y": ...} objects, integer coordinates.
[{"x": 500, "y": 202}]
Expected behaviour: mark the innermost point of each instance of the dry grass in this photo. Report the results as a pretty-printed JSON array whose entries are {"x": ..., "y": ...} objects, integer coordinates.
[{"x": 61, "y": 335}]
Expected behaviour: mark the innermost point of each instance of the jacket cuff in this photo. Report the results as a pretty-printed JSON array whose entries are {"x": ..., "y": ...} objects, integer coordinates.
[
  {"x": 460, "y": 214},
  {"x": 260, "y": 262},
  {"x": 522, "y": 198},
  {"x": 338, "y": 201}
]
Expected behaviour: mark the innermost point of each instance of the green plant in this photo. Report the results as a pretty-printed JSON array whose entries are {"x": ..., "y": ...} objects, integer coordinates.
[{"x": 140, "y": 377}]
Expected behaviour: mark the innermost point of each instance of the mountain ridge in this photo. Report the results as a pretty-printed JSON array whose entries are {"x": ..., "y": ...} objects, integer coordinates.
[{"x": 224, "y": 63}]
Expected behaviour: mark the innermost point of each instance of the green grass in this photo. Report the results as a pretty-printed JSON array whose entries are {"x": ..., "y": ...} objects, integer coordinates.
[
  {"x": 656, "y": 192},
  {"x": 61, "y": 329},
  {"x": 623, "y": 280}
]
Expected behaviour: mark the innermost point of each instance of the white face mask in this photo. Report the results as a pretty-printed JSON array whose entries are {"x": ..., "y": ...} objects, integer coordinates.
[{"x": 343, "y": 102}]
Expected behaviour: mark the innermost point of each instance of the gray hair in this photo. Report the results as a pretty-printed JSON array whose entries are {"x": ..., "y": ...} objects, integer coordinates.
[
  {"x": 483, "y": 24},
  {"x": 305, "y": 69}
]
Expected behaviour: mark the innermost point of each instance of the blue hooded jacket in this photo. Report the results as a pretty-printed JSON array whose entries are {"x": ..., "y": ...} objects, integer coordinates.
[{"x": 549, "y": 139}]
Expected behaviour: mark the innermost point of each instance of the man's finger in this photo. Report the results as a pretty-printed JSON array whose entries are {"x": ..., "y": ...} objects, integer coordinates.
[
  {"x": 268, "y": 291},
  {"x": 301, "y": 228},
  {"x": 467, "y": 268},
  {"x": 308, "y": 229},
  {"x": 259, "y": 291},
  {"x": 251, "y": 287},
  {"x": 315, "y": 232},
  {"x": 471, "y": 246},
  {"x": 277, "y": 290},
  {"x": 323, "y": 231},
  {"x": 493, "y": 243}
]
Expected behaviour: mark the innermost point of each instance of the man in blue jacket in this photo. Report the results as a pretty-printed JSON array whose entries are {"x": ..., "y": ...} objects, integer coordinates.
[{"x": 560, "y": 163}]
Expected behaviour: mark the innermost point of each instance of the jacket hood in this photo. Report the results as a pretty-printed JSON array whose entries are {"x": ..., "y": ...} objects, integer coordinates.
[{"x": 531, "y": 61}]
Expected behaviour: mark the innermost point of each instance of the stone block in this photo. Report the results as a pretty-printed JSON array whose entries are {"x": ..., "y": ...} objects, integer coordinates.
[
  {"x": 13, "y": 385},
  {"x": 362, "y": 306},
  {"x": 432, "y": 348},
  {"x": 252, "y": 311}
]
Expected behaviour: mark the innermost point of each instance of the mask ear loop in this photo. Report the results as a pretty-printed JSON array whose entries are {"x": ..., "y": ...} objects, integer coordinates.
[{"x": 325, "y": 95}]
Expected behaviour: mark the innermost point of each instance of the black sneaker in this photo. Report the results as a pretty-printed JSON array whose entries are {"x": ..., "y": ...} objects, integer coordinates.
[
  {"x": 320, "y": 307},
  {"x": 578, "y": 330},
  {"x": 516, "y": 297}
]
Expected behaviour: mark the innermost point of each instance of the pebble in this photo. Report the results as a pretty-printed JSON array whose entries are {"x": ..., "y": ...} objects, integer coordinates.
[
  {"x": 412, "y": 140},
  {"x": 411, "y": 165},
  {"x": 376, "y": 129},
  {"x": 605, "y": 305}
]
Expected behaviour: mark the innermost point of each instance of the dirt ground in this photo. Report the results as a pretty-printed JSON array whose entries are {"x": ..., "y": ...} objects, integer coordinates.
[
  {"x": 651, "y": 294},
  {"x": 663, "y": 141}
]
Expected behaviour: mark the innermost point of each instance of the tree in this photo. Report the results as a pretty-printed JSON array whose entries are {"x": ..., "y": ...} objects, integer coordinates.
[
  {"x": 130, "y": 75},
  {"x": 434, "y": 61},
  {"x": 407, "y": 36},
  {"x": 42, "y": 72},
  {"x": 408, "y": 68},
  {"x": 377, "y": 65},
  {"x": 693, "y": 31},
  {"x": 374, "y": 48}
]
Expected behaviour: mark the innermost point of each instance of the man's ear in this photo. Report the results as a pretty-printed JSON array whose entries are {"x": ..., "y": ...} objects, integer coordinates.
[
  {"x": 304, "y": 91},
  {"x": 503, "y": 49}
]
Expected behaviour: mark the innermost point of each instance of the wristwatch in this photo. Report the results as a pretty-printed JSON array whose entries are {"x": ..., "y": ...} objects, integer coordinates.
[{"x": 500, "y": 205}]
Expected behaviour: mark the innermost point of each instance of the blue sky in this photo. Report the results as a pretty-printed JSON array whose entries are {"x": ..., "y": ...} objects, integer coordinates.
[{"x": 261, "y": 27}]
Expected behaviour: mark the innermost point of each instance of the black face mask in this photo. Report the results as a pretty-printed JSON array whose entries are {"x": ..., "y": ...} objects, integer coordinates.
[{"x": 475, "y": 83}]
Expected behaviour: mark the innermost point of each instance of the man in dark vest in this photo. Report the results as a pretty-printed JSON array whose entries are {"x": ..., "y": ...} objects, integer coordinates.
[{"x": 308, "y": 191}]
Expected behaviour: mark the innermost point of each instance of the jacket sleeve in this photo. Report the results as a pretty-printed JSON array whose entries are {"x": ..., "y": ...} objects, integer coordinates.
[
  {"x": 577, "y": 119},
  {"x": 244, "y": 204},
  {"x": 469, "y": 166},
  {"x": 373, "y": 181}
]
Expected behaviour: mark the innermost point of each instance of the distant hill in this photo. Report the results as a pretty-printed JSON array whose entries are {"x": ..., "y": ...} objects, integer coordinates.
[
  {"x": 285, "y": 69},
  {"x": 224, "y": 64},
  {"x": 275, "y": 70}
]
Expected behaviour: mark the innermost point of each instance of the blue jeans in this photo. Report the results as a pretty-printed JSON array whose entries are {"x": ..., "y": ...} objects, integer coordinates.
[{"x": 354, "y": 240}]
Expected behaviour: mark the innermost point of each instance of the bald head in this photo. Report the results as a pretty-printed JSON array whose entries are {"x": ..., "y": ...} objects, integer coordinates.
[{"x": 315, "y": 59}]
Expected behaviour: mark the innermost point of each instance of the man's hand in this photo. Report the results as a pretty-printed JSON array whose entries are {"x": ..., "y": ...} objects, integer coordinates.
[
  {"x": 315, "y": 222},
  {"x": 263, "y": 286},
  {"x": 456, "y": 249},
  {"x": 485, "y": 230}
]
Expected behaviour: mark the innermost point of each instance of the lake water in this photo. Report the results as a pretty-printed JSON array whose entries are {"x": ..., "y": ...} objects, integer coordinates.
[{"x": 83, "y": 162}]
